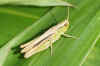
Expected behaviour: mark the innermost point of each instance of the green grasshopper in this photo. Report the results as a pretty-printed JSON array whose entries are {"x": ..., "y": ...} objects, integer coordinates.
[{"x": 46, "y": 39}]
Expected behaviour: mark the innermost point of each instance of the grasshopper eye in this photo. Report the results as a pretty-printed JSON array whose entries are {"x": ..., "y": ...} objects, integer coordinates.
[{"x": 65, "y": 24}]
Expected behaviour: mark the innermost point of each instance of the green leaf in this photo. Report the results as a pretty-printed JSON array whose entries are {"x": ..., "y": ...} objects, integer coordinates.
[
  {"x": 93, "y": 58},
  {"x": 36, "y": 2},
  {"x": 27, "y": 33},
  {"x": 21, "y": 24},
  {"x": 96, "y": 19}
]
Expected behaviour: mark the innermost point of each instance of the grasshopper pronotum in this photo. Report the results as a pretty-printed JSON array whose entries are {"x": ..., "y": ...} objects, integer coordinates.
[{"x": 47, "y": 39}]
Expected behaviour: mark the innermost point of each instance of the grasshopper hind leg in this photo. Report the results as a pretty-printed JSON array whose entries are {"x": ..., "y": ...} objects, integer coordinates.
[
  {"x": 51, "y": 52},
  {"x": 51, "y": 48}
]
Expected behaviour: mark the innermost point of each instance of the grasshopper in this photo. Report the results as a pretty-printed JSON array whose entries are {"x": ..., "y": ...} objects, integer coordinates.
[{"x": 46, "y": 39}]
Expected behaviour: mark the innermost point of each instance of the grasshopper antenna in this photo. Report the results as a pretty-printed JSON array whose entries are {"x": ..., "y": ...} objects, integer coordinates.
[{"x": 68, "y": 15}]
